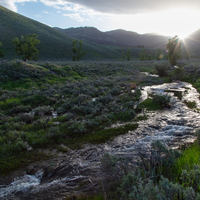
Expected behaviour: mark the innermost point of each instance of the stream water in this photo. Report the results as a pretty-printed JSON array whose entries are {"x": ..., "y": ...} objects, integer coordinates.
[{"x": 78, "y": 171}]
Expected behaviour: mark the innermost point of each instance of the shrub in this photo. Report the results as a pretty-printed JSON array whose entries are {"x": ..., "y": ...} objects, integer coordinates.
[
  {"x": 190, "y": 104},
  {"x": 161, "y": 68},
  {"x": 163, "y": 100},
  {"x": 178, "y": 74},
  {"x": 42, "y": 110}
]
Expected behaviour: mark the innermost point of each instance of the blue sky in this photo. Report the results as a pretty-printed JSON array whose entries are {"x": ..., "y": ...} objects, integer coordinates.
[{"x": 170, "y": 17}]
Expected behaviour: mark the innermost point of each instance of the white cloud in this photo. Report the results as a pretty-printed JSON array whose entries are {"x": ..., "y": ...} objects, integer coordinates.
[
  {"x": 112, "y": 6},
  {"x": 126, "y": 6},
  {"x": 74, "y": 16},
  {"x": 10, "y": 4}
]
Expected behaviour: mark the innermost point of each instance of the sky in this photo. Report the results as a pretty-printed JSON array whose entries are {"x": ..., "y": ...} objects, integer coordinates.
[{"x": 171, "y": 17}]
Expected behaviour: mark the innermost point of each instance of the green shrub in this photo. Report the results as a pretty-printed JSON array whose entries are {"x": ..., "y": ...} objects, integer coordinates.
[
  {"x": 163, "y": 100},
  {"x": 178, "y": 74},
  {"x": 190, "y": 104},
  {"x": 161, "y": 68}
]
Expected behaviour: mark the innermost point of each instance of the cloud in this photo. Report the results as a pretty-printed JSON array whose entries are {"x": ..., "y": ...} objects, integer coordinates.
[
  {"x": 127, "y": 6},
  {"x": 74, "y": 16},
  {"x": 10, "y": 4},
  {"x": 112, "y": 6}
]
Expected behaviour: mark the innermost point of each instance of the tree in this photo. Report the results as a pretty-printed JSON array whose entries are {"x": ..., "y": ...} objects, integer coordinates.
[
  {"x": 77, "y": 50},
  {"x": 1, "y": 51},
  {"x": 26, "y": 47},
  {"x": 128, "y": 55},
  {"x": 174, "y": 50}
]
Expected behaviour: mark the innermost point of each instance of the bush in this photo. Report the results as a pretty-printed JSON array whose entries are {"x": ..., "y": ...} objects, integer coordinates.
[
  {"x": 163, "y": 100},
  {"x": 43, "y": 110},
  {"x": 161, "y": 68},
  {"x": 178, "y": 74}
]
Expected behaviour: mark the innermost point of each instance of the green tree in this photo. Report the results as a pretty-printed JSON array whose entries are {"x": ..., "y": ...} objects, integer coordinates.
[
  {"x": 128, "y": 55},
  {"x": 174, "y": 50},
  {"x": 77, "y": 50},
  {"x": 26, "y": 47},
  {"x": 1, "y": 51}
]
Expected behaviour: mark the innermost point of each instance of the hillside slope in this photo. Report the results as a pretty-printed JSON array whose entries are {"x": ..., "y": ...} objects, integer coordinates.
[
  {"x": 129, "y": 38},
  {"x": 89, "y": 34},
  {"x": 53, "y": 45}
]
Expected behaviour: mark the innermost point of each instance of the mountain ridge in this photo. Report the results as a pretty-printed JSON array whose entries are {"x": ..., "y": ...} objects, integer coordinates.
[{"x": 53, "y": 44}]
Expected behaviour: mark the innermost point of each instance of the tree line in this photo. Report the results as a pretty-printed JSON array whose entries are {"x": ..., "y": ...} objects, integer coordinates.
[{"x": 26, "y": 47}]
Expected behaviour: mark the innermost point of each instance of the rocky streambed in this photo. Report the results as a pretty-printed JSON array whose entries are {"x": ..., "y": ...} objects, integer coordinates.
[{"x": 78, "y": 171}]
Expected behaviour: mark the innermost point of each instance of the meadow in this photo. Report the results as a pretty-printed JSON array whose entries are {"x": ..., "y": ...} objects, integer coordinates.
[
  {"x": 44, "y": 105},
  {"x": 63, "y": 105}
]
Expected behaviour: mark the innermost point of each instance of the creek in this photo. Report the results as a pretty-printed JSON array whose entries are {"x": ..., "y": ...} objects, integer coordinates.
[{"x": 78, "y": 171}]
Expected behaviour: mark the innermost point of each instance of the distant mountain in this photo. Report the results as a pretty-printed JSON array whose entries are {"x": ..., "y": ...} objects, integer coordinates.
[
  {"x": 89, "y": 34},
  {"x": 195, "y": 36},
  {"x": 129, "y": 38},
  {"x": 116, "y": 37},
  {"x": 53, "y": 44}
]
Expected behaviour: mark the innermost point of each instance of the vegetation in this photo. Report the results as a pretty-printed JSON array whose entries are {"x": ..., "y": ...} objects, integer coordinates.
[
  {"x": 128, "y": 55},
  {"x": 174, "y": 49},
  {"x": 47, "y": 104},
  {"x": 26, "y": 47},
  {"x": 161, "y": 174},
  {"x": 1, "y": 51},
  {"x": 178, "y": 74},
  {"x": 161, "y": 68},
  {"x": 77, "y": 50},
  {"x": 142, "y": 55}
]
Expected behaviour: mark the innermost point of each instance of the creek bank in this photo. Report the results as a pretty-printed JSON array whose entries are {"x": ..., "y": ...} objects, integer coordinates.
[{"x": 78, "y": 171}]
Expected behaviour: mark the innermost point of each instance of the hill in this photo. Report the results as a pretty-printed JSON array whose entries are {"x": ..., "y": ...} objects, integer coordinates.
[
  {"x": 53, "y": 45},
  {"x": 89, "y": 34},
  {"x": 116, "y": 37},
  {"x": 195, "y": 36}
]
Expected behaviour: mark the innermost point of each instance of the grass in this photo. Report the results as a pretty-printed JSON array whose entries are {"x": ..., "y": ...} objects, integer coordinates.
[
  {"x": 190, "y": 104},
  {"x": 107, "y": 134},
  {"x": 190, "y": 156},
  {"x": 149, "y": 104},
  {"x": 12, "y": 163}
]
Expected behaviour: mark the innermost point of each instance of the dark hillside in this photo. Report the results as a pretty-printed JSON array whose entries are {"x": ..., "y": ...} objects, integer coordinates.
[
  {"x": 89, "y": 34},
  {"x": 129, "y": 38},
  {"x": 54, "y": 45}
]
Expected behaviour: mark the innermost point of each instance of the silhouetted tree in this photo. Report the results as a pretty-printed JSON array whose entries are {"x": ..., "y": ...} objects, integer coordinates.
[
  {"x": 1, "y": 51},
  {"x": 77, "y": 50},
  {"x": 26, "y": 47},
  {"x": 174, "y": 50}
]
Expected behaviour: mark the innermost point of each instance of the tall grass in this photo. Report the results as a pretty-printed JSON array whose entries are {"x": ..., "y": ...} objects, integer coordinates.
[{"x": 190, "y": 156}]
